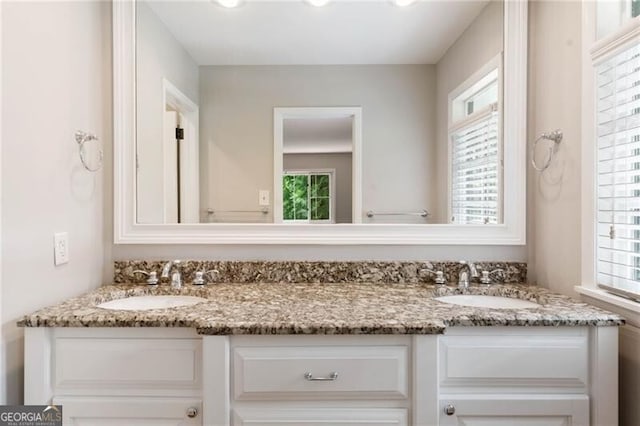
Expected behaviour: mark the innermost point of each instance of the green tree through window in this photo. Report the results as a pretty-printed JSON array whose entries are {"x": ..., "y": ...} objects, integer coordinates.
[{"x": 306, "y": 197}]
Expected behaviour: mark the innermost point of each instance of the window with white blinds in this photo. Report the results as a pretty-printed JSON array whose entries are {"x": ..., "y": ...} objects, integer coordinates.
[
  {"x": 618, "y": 171},
  {"x": 474, "y": 134}
]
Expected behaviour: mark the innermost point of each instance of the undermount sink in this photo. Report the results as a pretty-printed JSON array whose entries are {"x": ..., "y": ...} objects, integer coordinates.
[
  {"x": 479, "y": 301},
  {"x": 143, "y": 303}
]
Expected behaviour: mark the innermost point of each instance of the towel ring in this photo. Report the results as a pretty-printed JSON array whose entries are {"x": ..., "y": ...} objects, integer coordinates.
[
  {"x": 82, "y": 138},
  {"x": 556, "y": 137}
]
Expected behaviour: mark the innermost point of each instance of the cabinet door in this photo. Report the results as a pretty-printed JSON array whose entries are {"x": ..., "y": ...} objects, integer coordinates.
[
  {"x": 320, "y": 417},
  {"x": 554, "y": 410},
  {"x": 103, "y": 411}
]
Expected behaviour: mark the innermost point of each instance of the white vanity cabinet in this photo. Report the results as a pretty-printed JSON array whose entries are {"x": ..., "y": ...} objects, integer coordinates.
[
  {"x": 116, "y": 376},
  {"x": 474, "y": 376},
  {"x": 558, "y": 410},
  {"x": 318, "y": 380},
  {"x": 512, "y": 376}
]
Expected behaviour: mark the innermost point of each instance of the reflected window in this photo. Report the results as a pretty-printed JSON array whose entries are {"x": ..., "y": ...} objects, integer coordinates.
[
  {"x": 474, "y": 135},
  {"x": 307, "y": 197}
]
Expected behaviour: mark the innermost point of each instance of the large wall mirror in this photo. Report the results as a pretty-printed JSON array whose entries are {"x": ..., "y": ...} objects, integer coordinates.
[{"x": 356, "y": 122}]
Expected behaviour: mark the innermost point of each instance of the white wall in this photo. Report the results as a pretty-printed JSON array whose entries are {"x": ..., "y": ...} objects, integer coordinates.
[
  {"x": 159, "y": 55},
  {"x": 56, "y": 79},
  {"x": 341, "y": 163},
  {"x": 480, "y": 43},
  {"x": 555, "y": 102},
  {"x": 236, "y": 128}
]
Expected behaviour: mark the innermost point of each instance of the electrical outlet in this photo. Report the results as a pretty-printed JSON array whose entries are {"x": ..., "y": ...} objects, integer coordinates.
[
  {"x": 60, "y": 248},
  {"x": 263, "y": 197}
]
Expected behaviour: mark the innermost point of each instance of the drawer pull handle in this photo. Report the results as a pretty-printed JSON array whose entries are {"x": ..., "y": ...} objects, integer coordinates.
[
  {"x": 449, "y": 410},
  {"x": 192, "y": 412},
  {"x": 333, "y": 376}
]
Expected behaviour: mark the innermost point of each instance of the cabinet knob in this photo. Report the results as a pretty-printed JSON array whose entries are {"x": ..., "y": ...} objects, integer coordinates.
[
  {"x": 192, "y": 412},
  {"x": 449, "y": 410}
]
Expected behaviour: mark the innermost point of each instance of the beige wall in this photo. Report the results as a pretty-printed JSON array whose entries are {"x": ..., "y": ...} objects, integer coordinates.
[
  {"x": 159, "y": 56},
  {"x": 480, "y": 43},
  {"x": 236, "y": 128},
  {"x": 555, "y": 102},
  {"x": 341, "y": 163},
  {"x": 56, "y": 79}
]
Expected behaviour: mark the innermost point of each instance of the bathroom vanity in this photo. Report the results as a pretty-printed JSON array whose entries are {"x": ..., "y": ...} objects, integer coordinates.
[{"x": 348, "y": 353}]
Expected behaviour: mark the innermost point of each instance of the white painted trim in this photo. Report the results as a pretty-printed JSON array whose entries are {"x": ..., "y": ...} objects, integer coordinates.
[
  {"x": 483, "y": 71},
  {"x": 425, "y": 359},
  {"x": 594, "y": 52},
  {"x": 38, "y": 359},
  {"x": 495, "y": 62},
  {"x": 603, "y": 49},
  {"x": 216, "y": 380},
  {"x": 588, "y": 151},
  {"x": 511, "y": 232},
  {"x": 174, "y": 97},
  {"x": 281, "y": 114},
  {"x": 628, "y": 308},
  {"x": 603, "y": 356},
  {"x": 514, "y": 117},
  {"x": 124, "y": 121}
]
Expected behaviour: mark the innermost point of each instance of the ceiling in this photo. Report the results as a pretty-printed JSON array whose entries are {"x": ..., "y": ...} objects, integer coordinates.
[
  {"x": 317, "y": 135},
  {"x": 296, "y": 33}
]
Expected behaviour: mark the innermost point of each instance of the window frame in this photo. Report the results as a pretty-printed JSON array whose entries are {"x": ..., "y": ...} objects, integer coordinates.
[
  {"x": 495, "y": 63},
  {"x": 596, "y": 51},
  {"x": 332, "y": 194}
]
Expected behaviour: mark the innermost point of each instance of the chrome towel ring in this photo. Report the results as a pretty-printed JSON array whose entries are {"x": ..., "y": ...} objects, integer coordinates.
[
  {"x": 82, "y": 138},
  {"x": 556, "y": 137}
]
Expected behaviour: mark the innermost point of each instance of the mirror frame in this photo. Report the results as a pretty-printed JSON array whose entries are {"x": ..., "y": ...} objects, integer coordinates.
[{"x": 511, "y": 232}]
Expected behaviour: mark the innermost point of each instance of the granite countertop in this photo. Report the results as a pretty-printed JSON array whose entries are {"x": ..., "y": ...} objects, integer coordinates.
[{"x": 338, "y": 308}]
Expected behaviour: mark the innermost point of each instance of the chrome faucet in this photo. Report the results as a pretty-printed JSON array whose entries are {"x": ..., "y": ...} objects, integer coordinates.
[
  {"x": 468, "y": 268},
  {"x": 176, "y": 277}
]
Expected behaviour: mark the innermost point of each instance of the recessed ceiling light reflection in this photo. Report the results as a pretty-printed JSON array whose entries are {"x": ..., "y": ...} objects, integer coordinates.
[
  {"x": 229, "y": 3},
  {"x": 403, "y": 3},
  {"x": 318, "y": 3}
]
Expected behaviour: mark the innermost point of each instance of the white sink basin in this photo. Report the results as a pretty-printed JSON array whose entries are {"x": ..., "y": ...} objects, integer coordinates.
[
  {"x": 143, "y": 303},
  {"x": 487, "y": 301}
]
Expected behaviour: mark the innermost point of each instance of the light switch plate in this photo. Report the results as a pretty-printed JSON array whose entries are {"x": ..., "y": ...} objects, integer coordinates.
[
  {"x": 60, "y": 248},
  {"x": 263, "y": 197}
]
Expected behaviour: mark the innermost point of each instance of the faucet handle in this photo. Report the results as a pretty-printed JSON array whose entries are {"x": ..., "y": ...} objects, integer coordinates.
[
  {"x": 176, "y": 280},
  {"x": 439, "y": 276},
  {"x": 199, "y": 279},
  {"x": 486, "y": 276},
  {"x": 153, "y": 276}
]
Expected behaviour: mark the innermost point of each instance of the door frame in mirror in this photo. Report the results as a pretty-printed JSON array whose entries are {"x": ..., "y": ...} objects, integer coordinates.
[
  {"x": 281, "y": 114},
  {"x": 511, "y": 232}
]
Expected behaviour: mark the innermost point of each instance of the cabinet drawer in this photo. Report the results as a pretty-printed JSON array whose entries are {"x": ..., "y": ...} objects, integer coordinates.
[
  {"x": 320, "y": 416},
  {"x": 361, "y": 372},
  {"x": 107, "y": 411},
  {"x": 556, "y": 362},
  {"x": 130, "y": 365},
  {"x": 525, "y": 410}
]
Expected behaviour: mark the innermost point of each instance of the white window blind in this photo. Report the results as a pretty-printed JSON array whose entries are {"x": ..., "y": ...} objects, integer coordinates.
[
  {"x": 618, "y": 171},
  {"x": 475, "y": 169}
]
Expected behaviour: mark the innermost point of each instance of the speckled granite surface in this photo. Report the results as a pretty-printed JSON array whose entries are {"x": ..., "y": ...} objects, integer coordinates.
[
  {"x": 352, "y": 308},
  {"x": 318, "y": 272}
]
